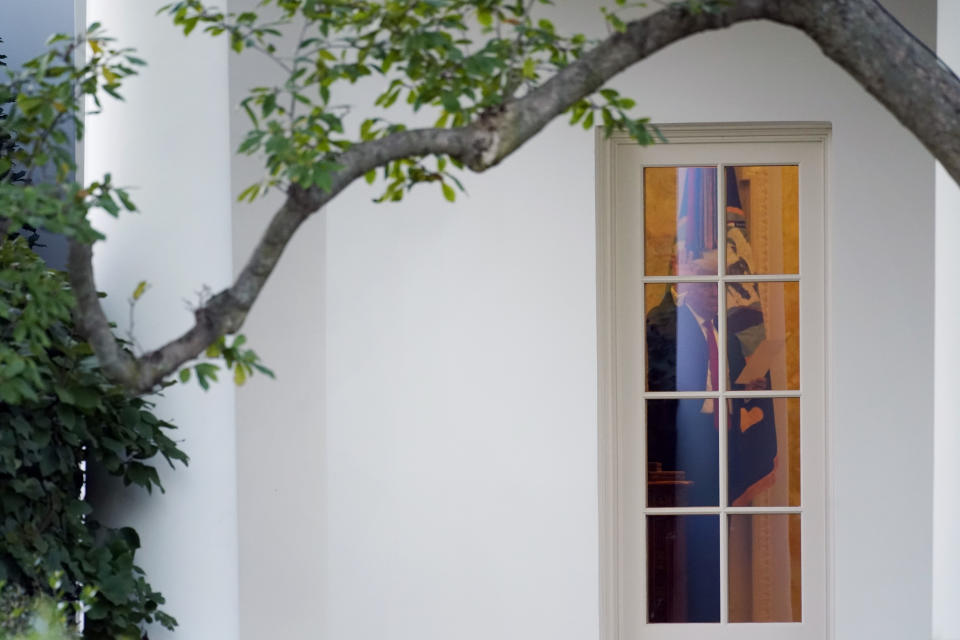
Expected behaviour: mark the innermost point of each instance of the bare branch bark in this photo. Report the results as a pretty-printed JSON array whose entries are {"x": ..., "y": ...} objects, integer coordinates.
[
  {"x": 904, "y": 75},
  {"x": 859, "y": 35},
  {"x": 90, "y": 319}
]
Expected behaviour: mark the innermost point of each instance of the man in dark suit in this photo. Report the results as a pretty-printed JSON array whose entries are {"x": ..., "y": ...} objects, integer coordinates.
[
  {"x": 682, "y": 434},
  {"x": 682, "y": 355}
]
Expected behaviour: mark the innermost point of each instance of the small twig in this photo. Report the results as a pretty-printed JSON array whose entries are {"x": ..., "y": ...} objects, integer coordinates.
[
  {"x": 296, "y": 63},
  {"x": 203, "y": 296},
  {"x": 141, "y": 289},
  {"x": 273, "y": 57}
]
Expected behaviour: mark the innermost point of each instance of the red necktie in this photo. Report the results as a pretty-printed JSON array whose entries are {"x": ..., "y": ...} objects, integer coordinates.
[{"x": 714, "y": 362}]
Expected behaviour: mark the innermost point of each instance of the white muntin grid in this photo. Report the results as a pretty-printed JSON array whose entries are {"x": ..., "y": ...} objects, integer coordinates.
[{"x": 721, "y": 394}]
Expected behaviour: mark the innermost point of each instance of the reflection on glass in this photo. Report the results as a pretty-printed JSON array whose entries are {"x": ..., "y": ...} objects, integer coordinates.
[
  {"x": 682, "y": 453},
  {"x": 762, "y": 212},
  {"x": 680, "y": 220},
  {"x": 683, "y": 568},
  {"x": 682, "y": 337},
  {"x": 763, "y": 452},
  {"x": 764, "y": 566},
  {"x": 763, "y": 335}
]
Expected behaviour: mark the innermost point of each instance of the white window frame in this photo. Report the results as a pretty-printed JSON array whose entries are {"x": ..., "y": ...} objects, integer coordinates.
[{"x": 622, "y": 567}]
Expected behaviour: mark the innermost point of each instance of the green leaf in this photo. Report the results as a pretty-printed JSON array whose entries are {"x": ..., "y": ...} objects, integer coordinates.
[
  {"x": 323, "y": 178},
  {"x": 125, "y": 200},
  {"x": 108, "y": 204},
  {"x": 264, "y": 370},
  {"x": 64, "y": 394},
  {"x": 588, "y": 121},
  {"x": 205, "y": 373},
  {"x": 140, "y": 290},
  {"x": 530, "y": 68},
  {"x": 450, "y": 102},
  {"x": 366, "y": 129},
  {"x": 485, "y": 18},
  {"x": 79, "y": 508},
  {"x": 190, "y": 25},
  {"x": 448, "y": 192},
  {"x": 29, "y": 104},
  {"x": 250, "y": 193}
]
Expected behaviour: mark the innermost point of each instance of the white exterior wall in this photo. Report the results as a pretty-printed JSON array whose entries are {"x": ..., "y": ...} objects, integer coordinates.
[
  {"x": 280, "y": 423},
  {"x": 461, "y": 372},
  {"x": 169, "y": 142},
  {"x": 946, "y": 482},
  {"x": 425, "y": 466}
]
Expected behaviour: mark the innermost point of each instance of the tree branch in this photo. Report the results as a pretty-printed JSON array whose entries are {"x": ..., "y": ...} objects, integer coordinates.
[
  {"x": 225, "y": 312},
  {"x": 895, "y": 67},
  {"x": 858, "y": 35},
  {"x": 90, "y": 319}
]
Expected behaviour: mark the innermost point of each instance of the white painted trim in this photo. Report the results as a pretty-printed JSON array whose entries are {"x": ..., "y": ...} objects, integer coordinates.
[
  {"x": 696, "y": 133},
  {"x": 607, "y": 436},
  {"x": 753, "y": 277},
  {"x": 661, "y": 511},
  {"x": 786, "y": 393},
  {"x": 610, "y": 517},
  {"x": 830, "y": 472}
]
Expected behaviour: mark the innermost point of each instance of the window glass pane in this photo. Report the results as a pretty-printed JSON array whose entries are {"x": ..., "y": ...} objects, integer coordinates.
[
  {"x": 762, "y": 212},
  {"x": 680, "y": 220},
  {"x": 764, "y": 565},
  {"x": 682, "y": 337},
  {"x": 683, "y": 568},
  {"x": 763, "y": 452},
  {"x": 763, "y": 335},
  {"x": 682, "y": 453}
]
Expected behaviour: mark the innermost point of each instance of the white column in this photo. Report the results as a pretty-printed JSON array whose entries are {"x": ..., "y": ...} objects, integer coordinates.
[
  {"x": 170, "y": 143},
  {"x": 946, "y": 478}
]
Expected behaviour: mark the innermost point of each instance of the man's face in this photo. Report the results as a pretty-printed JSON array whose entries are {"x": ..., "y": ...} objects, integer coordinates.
[{"x": 701, "y": 297}]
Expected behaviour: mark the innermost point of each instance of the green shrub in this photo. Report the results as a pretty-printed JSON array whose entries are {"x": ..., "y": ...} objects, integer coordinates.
[
  {"x": 43, "y": 616},
  {"x": 58, "y": 413}
]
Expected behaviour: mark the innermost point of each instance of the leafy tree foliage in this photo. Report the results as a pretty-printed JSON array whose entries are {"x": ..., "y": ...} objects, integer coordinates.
[
  {"x": 427, "y": 56},
  {"x": 58, "y": 411},
  {"x": 492, "y": 73},
  {"x": 48, "y": 92},
  {"x": 7, "y": 145}
]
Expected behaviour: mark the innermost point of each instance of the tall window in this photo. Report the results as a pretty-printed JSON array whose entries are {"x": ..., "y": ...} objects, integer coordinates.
[{"x": 712, "y": 376}]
